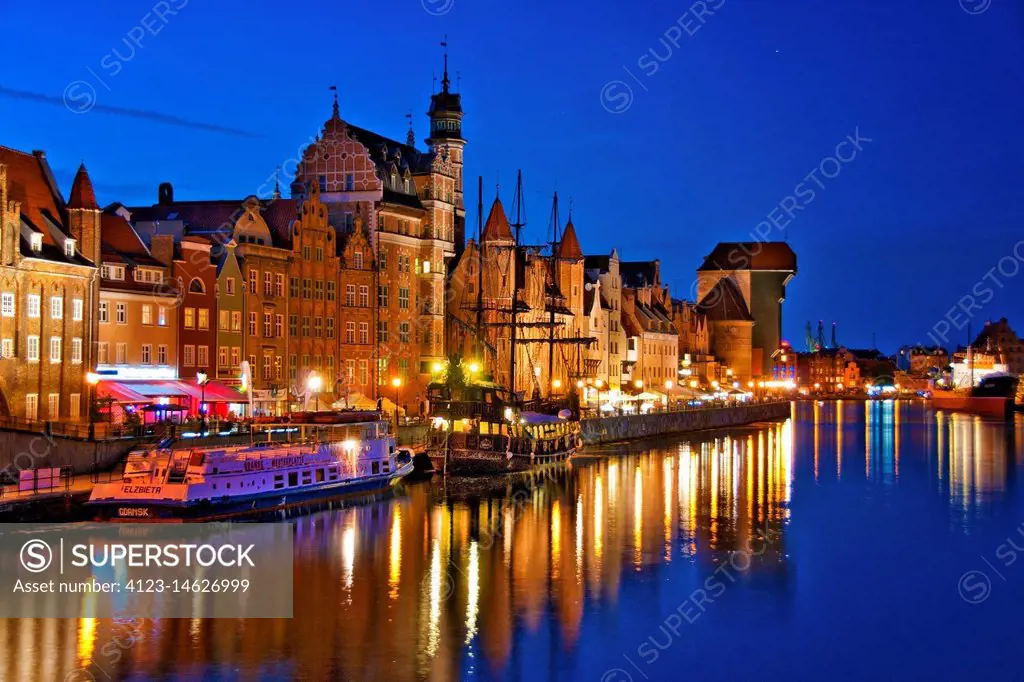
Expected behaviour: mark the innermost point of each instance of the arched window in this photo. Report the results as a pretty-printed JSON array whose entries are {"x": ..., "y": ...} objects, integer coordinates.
[{"x": 196, "y": 286}]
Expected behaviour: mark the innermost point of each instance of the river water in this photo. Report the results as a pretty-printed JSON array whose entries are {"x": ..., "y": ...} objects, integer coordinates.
[{"x": 852, "y": 541}]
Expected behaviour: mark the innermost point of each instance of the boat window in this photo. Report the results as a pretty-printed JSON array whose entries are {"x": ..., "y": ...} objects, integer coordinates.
[
  {"x": 375, "y": 468},
  {"x": 307, "y": 477},
  {"x": 319, "y": 475},
  {"x": 386, "y": 466},
  {"x": 278, "y": 481},
  {"x": 293, "y": 479}
]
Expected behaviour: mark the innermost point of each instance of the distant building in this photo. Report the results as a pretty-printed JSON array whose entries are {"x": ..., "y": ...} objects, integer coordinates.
[
  {"x": 647, "y": 319},
  {"x": 604, "y": 271},
  {"x": 828, "y": 371},
  {"x": 230, "y": 315},
  {"x": 759, "y": 272},
  {"x": 1000, "y": 338},
  {"x": 49, "y": 291},
  {"x": 922, "y": 361}
]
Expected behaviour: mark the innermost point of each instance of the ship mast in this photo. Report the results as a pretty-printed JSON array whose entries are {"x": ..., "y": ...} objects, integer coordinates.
[
  {"x": 552, "y": 270},
  {"x": 480, "y": 270},
  {"x": 518, "y": 205}
]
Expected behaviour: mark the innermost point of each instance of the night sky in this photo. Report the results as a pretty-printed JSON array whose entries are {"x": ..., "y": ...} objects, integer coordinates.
[{"x": 725, "y": 116}]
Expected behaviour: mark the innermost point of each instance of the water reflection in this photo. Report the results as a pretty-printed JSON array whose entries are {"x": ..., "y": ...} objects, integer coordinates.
[{"x": 450, "y": 582}]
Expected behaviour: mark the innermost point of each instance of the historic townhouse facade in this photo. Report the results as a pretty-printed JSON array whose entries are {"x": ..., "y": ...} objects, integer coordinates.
[
  {"x": 414, "y": 216},
  {"x": 49, "y": 288},
  {"x": 230, "y": 316},
  {"x": 138, "y": 309},
  {"x": 357, "y": 319},
  {"x": 604, "y": 270},
  {"x": 647, "y": 318},
  {"x": 313, "y": 341}
]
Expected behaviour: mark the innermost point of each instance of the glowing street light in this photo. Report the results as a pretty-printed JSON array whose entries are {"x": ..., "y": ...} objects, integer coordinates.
[
  {"x": 397, "y": 383},
  {"x": 92, "y": 378},
  {"x": 313, "y": 384},
  {"x": 668, "y": 385},
  {"x": 437, "y": 367},
  {"x": 201, "y": 379},
  {"x": 639, "y": 383},
  {"x": 556, "y": 384},
  {"x": 473, "y": 368}
]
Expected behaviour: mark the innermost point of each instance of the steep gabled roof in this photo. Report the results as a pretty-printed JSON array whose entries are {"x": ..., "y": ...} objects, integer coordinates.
[
  {"x": 27, "y": 183},
  {"x": 601, "y": 263},
  {"x": 82, "y": 194},
  {"x": 569, "y": 247},
  {"x": 725, "y": 302},
  {"x": 638, "y": 274},
  {"x": 497, "y": 228},
  {"x": 120, "y": 242},
  {"x": 218, "y": 217},
  {"x": 750, "y": 256}
]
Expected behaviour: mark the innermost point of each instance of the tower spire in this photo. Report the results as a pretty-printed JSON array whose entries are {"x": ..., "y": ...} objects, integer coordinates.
[
  {"x": 335, "y": 113},
  {"x": 410, "y": 137},
  {"x": 445, "y": 81},
  {"x": 277, "y": 183}
]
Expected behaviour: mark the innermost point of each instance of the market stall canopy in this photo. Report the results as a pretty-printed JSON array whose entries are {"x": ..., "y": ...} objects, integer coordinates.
[{"x": 119, "y": 393}]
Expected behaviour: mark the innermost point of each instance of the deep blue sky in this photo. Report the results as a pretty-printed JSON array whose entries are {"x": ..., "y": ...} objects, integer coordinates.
[{"x": 725, "y": 129}]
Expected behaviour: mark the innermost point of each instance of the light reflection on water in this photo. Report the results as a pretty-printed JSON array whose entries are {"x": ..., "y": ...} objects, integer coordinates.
[{"x": 545, "y": 576}]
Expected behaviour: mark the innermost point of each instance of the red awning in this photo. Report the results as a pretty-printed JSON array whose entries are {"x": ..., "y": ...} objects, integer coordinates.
[
  {"x": 119, "y": 392},
  {"x": 215, "y": 392}
]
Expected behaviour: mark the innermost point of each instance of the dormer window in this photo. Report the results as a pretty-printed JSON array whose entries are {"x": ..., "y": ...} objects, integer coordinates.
[
  {"x": 69, "y": 248},
  {"x": 36, "y": 242}
]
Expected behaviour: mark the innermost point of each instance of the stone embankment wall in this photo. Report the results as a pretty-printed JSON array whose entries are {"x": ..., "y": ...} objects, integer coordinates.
[
  {"x": 632, "y": 427},
  {"x": 27, "y": 450}
]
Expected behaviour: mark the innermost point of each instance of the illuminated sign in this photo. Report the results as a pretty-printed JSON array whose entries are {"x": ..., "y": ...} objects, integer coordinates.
[{"x": 127, "y": 372}]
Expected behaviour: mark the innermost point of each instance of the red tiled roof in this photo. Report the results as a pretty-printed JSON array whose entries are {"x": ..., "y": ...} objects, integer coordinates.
[
  {"x": 27, "y": 184},
  {"x": 496, "y": 228},
  {"x": 82, "y": 194},
  {"x": 569, "y": 247},
  {"x": 750, "y": 256},
  {"x": 725, "y": 302},
  {"x": 117, "y": 236}
]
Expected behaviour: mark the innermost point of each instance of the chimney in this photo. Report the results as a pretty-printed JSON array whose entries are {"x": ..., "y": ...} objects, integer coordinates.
[
  {"x": 165, "y": 194},
  {"x": 162, "y": 248}
]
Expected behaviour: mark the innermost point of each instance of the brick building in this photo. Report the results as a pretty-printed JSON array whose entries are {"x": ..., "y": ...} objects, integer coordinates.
[{"x": 49, "y": 289}]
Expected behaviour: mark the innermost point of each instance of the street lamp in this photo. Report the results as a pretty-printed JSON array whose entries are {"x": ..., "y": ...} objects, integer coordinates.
[
  {"x": 201, "y": 378},
  {"x": 92, "y": 379},
  {"x": 556, "y": 384},
  {"x": 639, "y": 383},
  {"x": 313, "y": 384},
  {"x": 397, "y": 383}
]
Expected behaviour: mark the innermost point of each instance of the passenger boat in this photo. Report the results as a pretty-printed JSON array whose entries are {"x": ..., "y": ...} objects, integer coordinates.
[
  {"x": 477, "y": 432},
  {"x": 322, "y": 461}
]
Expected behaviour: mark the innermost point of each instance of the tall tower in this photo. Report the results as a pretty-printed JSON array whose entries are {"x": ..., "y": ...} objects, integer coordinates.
[{"x": 446, "y": 138}]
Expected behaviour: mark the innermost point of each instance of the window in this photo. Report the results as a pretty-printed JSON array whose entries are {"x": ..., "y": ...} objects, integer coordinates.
[
  {"x": 293, "y": 366},
  {"x": 364, "y": 332},
  {"x": 32, "y": 406},
  {"x": 293, "y": 325},
  {"x": 382, "y": 331},
  {"x": 267, "y": 325},
  {"x": 229, "y": 286},
  {"x": 224, "y": 320},
  {"x": 279, "y": 284},
  {"x": 319, "y": 290},
  {"x": 252, "y": 324},
  {"x": 268, "y": 286},
  {"x": 203, "y": 356},
  {"x": 305, "y": 325},
  {"x": 122, "y": 353},
  {"x": 76, "y": 350},
  {"x": 189, "y": 355},
  {"x": 267, "y": 365},
  {"x": 357, "y": 260},
  {"x": 147, "y": 313},
  {"x": 7, "y": 349},
  {"x": 350, "y": 295},
  {"x": 293, "y": 287},
  {"x": 204, "y": 318},
  {"x": 112, "y": 272},
  {"x": 319, "y": 254},
  {"x": 190, "y": 318},
  {"x": 278, "y": 367},
  {"x": 350, "y": 182},
  {"x": 318, "y": 327},
  {"x": 330, "y": 327},
  {"x": 55, "y": 348},
  {"x": 236, "y": 320},
  {"x": 364, "y": 296},
  {"x": 32, "y": 348},
  {"x": 7, "y": 305},
  {"x": 364, "y": 372},
  {"x": 69, "y": 248},
  {"x": 222, "y": 356},
  {"x": 382, "y": 259},
  {"x": 426, "y": 267},
  {"x": 403, "y": 332},
  {"x": 382, "y": 371},
  {"x": 403, "y": 298},
  {"x": 102, "y": 352},
  {"x": 161, "y": 354},
  {"x": 56, "y": 308},
  {"x": 350, "y": 332},
  {"x": 253, "y": 277},
  {"x": 75, "y": 406},
  {"x": 33, "y": 305},
  {"x": 305, "y": 253},
  {"x": 307, "y": 288},
  {"x": 147, "y": 353},
  {"x": 161, "y": 316},
  {"x": 382, "y": 296},
  {"x": 122, "y": 313}
]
